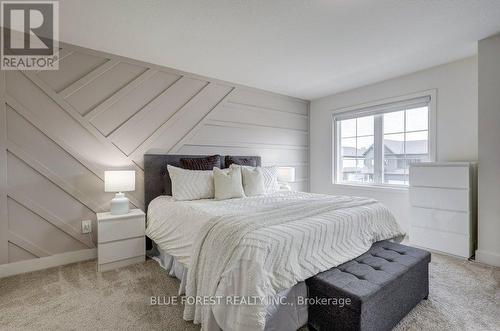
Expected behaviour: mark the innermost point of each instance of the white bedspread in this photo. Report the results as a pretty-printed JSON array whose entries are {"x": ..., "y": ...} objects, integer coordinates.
[
  {"x": 261, "y": 253},
  {"x": 259, "y": 246},
  {"x": 173, "y": 225}
]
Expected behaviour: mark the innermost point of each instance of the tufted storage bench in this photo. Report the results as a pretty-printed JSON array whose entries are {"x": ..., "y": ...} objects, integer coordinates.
[{"x": 383, "y": 285}]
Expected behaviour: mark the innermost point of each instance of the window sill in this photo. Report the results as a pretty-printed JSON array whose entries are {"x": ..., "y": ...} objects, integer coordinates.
[{"x": 378, "y": 188}]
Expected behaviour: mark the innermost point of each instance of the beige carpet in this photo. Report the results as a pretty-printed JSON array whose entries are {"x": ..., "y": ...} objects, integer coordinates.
[{"x": 463, "y": 296}]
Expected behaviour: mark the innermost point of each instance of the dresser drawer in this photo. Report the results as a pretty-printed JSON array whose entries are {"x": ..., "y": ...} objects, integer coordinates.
[
  {"x": 452, "y": 177},
  {"x": 120, "y": 250},
  {"x": 441, "y": 198},
  {"x": 451, "y": 243},
  {"x": 443, "y": 220},
  {"x": 116, "y": 229}
]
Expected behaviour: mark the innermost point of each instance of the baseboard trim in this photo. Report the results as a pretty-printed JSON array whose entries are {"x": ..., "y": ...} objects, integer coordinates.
[
  {"x": 488, "y": 258},
  {"x": 21, "y": 267}
]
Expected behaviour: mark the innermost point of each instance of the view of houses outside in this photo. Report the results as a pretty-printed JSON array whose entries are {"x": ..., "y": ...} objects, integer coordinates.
[{"x": 405, "y": 141}]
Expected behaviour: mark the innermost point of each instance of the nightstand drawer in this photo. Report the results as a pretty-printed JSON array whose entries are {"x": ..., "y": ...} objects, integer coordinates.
[
  {"x": 120, "y": 250},
  {"x": 116, "y": 229}
]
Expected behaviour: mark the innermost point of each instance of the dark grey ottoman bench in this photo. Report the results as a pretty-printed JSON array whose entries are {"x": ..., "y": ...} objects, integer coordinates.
[{"x": 382, "y": 285}]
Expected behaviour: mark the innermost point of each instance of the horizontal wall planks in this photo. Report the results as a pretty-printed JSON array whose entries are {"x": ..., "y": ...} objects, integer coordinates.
[
  {"x": 236, "y": 113},
  {"x": 99, "y": 111},
  {"x": 217, "y": 133},
  {"x": 269, "y": 155},
  {"x": 269, "y": 101}
]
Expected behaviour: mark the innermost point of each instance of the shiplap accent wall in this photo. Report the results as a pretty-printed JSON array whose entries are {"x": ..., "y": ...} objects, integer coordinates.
[{"x": 59, "y": 131}]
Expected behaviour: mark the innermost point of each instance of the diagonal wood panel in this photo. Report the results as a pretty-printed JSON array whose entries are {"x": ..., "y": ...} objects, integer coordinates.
[
  {"x": 138, "y": 128},
  {"x": 131, "y": 86},
  {"x": 101, "y": 111},
  {"x": 61, "y": 122},
  {"x": 47, "y": 157},
  {"x": 48, "y": 216},
  {"x": 100, "y": 88},
  {"x": 184, "y": 120},
  {"x": 72, "y": 68},
  {"x": 27, "y": 245},
  {"x": 127, "y": 106},
  {"x": 17, "y": 253},
  {"x": 34, "y": 231}
]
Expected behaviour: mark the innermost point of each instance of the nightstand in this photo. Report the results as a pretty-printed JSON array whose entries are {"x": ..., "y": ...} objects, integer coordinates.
[{"x": 120, "y": 239}]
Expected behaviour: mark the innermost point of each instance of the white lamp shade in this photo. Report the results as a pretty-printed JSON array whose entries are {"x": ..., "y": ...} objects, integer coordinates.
[
  {"x": 119, "y": 181},
  {"x": 286, "y": 174}
]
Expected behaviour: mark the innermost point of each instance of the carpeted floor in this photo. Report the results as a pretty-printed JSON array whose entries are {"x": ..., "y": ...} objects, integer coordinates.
[{"x": 463, "y": 296}]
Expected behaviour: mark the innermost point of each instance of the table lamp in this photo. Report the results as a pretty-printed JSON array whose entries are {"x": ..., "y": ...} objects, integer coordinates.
[
  {"x": 119, "y": 181},
  {"x": 286, "y": 175}
]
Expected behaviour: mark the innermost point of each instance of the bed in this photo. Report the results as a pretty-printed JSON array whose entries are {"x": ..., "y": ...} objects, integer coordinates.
[{"x": 254, "y": 251}]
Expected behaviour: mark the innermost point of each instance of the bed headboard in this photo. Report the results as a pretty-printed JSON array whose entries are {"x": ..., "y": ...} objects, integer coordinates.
[{"x": 156, "y": 181}]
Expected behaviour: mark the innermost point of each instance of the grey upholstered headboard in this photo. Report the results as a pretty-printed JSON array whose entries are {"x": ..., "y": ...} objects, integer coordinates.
[{"x": 156, "y": 179}]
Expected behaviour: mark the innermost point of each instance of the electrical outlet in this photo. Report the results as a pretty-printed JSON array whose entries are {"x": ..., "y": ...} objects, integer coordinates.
[{"x": 86, "y": 226}]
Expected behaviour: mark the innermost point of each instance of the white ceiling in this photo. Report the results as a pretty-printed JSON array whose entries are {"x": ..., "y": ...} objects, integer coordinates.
[{"x": 305, "y": 49}]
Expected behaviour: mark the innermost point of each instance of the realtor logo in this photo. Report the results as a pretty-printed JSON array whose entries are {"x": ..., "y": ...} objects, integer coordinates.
[{"x": 30, "y": 34}]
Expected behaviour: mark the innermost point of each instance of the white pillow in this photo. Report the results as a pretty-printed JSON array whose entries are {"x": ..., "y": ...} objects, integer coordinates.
[
  {"x": 270, "y": 179},
  {"x": 228, "y": 183},
  {"x": 191, "y": 184},
  {"x": 270, "y": 175},
  {"x": 253, "y": 181}
]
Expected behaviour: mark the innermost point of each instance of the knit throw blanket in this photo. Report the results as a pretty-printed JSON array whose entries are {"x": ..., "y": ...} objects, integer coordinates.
[{"x": 256, "y": 255}]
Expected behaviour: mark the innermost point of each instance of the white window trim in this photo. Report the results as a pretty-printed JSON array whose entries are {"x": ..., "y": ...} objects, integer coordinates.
[{"x": 432, "y": 144}]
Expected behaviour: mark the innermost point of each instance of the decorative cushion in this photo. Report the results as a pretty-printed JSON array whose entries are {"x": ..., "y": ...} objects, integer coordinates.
[
  {"x": 228, "y": 183},
  {"x": 253, "y": 180},
  {"x": 191, "y": 184},
  {"x": 270, "y": 179},
  {"x": 270, "y": 175},
  {"x": 251, "y": 162},
  {"x": 201, "y": 163}
]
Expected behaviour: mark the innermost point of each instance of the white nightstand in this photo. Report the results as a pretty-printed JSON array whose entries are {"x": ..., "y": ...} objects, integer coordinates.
[{"x": 120, "y": 239}]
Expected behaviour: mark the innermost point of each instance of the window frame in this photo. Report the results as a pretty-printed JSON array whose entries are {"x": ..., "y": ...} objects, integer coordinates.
[{"x": 336, "y": 139}]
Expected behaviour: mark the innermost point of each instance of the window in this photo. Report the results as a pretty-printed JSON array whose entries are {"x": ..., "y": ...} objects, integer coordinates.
[{"x": 376, "y": 144}]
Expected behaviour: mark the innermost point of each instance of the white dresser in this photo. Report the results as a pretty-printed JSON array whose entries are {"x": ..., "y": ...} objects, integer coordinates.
[
  {"x": 121, "y": 239},
  {"x": 444, "y": 207}
]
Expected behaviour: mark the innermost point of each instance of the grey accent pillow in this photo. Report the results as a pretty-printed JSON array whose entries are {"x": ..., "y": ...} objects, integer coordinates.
[
  {"x": 240, "y": 160},
  {"x": 201, "y": 163},
  {"x": 228, "y": 183}
]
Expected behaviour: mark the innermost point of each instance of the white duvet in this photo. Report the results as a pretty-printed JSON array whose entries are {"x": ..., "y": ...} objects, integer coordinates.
[{"x": 259, "y": 246}]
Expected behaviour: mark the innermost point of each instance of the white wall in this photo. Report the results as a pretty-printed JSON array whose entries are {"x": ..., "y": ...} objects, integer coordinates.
[
  {"x": 489, "y": 151},
  {"x": 457, "y": 136}
]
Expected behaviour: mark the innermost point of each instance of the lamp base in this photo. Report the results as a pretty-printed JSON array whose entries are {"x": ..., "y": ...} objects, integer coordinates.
[{"x": 119, "y": 204}]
